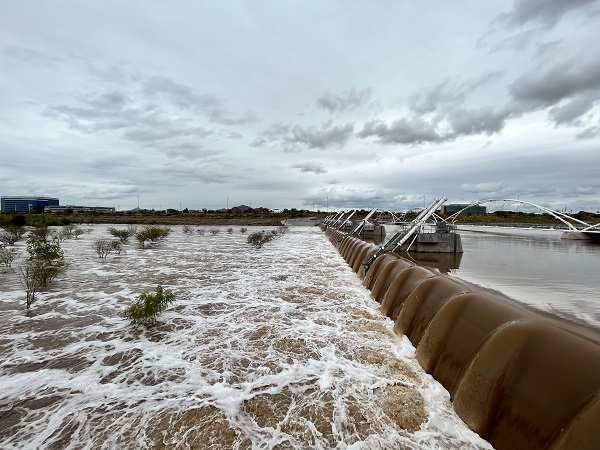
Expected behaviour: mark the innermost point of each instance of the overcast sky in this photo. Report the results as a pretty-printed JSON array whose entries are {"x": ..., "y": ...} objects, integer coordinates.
[{"x": 300, "y": 104}]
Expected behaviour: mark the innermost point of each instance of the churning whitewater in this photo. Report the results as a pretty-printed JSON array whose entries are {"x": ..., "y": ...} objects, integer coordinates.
[{"x": 272, "y": 348}]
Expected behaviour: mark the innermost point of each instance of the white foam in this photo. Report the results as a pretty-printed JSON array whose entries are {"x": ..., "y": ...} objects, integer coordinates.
[{"x": 290, "y": 322}]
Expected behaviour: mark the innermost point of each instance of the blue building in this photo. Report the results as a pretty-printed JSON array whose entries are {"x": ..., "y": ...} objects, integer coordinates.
[{"x": 26, "y": 204}]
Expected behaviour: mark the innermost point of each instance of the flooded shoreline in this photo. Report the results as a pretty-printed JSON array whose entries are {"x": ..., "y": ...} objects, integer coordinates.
[{"x": 280, "y": 347}]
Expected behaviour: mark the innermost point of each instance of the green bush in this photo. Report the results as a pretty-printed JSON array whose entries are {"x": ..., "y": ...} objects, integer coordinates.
[
  {"x": 152, "y": 233},
  {"x": 123, "y": 234},
  {"x": 149, "y": 306},
  {"x": 45, "y": 256}
]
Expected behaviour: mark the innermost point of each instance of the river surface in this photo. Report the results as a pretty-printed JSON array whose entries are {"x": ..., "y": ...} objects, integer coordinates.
[
  {"x": 536, "y": 267},
  {"x": 273, "y": 348}
]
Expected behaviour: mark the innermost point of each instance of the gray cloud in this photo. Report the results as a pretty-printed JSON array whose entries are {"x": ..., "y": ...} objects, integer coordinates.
[
  {"x": 298, "y": 137},
  {"x": 402, "y": 131},
  {"x": 112, "y": 110},
  {"x": 346, "y": 198},
  {"x": 154, "y": 135},
  {"x": 429, "y": 100},
  {"x": 570, "y": 112},
  {"x": 560, "y": 81},
  {"x": 545, "y": 12},
  {"x": 29, "y": 55},
  {"x": 484, "y": 120},
  {"x": 310, "y": 167},
  {"x": 185, "y": 97},
  {"x": 346, "y": 101},
  {"x": 571, "y": 88},
  {"x": 488, "y": 188}
]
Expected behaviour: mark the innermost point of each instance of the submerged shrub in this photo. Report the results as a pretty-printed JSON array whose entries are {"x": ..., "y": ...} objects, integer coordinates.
[
  {"x": 259, "y": 238},
  {"x": 7, "y": 256},
  {"x": 152, "y": 233},
  {"x": 243, "y": 230},
  {"x": 187, "y": 229},
  {"x": 45, "y": 262},
  {"x": 11, "y": 234},
  {"x": 45, "y": 256},
  {"x": 105, "y": 246},
  {"x": 123, "y": 234},
  {"x": 149, "y": 306}
]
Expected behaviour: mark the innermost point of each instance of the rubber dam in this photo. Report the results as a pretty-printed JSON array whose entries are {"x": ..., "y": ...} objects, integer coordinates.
[{"x": 518, "y": 377}]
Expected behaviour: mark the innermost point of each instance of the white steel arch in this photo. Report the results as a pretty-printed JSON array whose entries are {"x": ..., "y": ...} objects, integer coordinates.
[{"x": 564, "y": 218}]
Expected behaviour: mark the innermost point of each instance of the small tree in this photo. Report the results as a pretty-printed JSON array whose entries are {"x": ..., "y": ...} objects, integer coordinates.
[
  {"x": 104, "y": 247},
  {"x": 259, "y": 238},
  {"x": 29, "y": 276},
  {"x": 45, "y": 257},
  {"x": 152, "y": 233},
  {"x": 11, "y": 234},
  {"x": 187, "y": 229},
  {"x": 7, "y": 256},
  {"x": 68, "y": 230},
  {"x": 123, "y": 235},
  {"x": 149, "y": 306}
]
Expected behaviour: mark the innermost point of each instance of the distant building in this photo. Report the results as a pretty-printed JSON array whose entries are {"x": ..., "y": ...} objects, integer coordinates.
[
  {"x": 241, "y": 208},
  {"x": 24, "y": 204},
  {"x": 79, "y": 209},
  {"x": 456, "y": 207}
]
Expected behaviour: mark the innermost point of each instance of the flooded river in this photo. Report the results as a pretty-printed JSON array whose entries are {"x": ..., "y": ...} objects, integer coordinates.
[
  {"x": 536, "y": 267},
  {"x": 273, "y": 348}
]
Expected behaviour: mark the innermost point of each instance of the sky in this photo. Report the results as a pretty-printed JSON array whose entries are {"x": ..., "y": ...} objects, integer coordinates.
[{"x": 319, "y": 105}]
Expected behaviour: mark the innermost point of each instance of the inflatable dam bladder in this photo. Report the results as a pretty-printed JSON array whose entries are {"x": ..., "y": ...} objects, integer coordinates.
[{"x": 519, "y": 378}]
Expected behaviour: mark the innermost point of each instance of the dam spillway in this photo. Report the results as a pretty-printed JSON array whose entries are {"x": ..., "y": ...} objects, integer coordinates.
[{"x": 519, "y": 378}]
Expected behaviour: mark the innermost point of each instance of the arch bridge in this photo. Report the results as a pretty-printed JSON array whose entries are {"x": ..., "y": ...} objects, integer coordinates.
[{"x": 576, "y": 228}]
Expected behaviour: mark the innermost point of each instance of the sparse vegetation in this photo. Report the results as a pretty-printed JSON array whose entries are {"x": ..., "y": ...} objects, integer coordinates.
[
  {"x": 259, "y": 238},
  {"x": 243, "y": 230},
  {"x": 11, "y": 234},
  {"x": 230, "y": 230},
  {"x": 30, "y": 280},
  {"x": 187, "y": 229},
  {"x": 105, "y": 246},
  {"x": 45, "y": 262},
  {"x": 123, "y": 235},
  {"x": 149, "y": 306},
  {"x": 7, "y": 256},
  {"x": 214, "y": 231},
  {"x": 152, "y": 233},
  {"x": 200, "y": 231}
]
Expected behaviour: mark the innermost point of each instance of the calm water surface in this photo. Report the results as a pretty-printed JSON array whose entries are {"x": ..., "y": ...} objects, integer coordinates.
[{"x": 535, "y": 267}]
